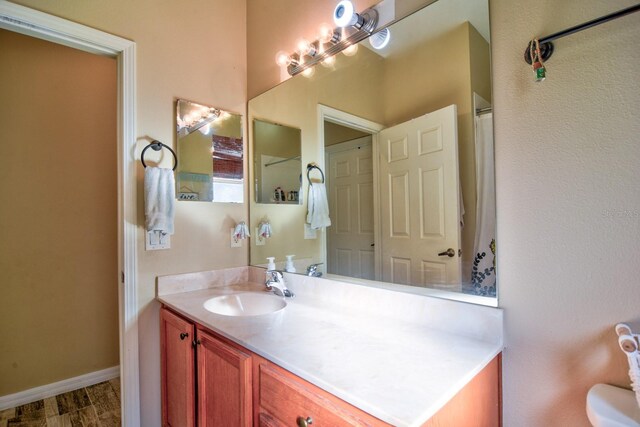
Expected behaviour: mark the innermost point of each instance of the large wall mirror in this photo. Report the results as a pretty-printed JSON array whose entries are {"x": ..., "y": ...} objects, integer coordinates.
[
  {"x": 404, "y": 137},
  {"x": 210, "y": 150}
]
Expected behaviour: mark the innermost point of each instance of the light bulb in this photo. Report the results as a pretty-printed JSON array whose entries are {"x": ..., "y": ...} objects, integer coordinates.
[
  {"x": 303, "y": 45},
  {"x": 329, "y": 61},
  {"x": 328, "y": 34},
  {"x": 205, "y": 129},
  {"x": 283, "y": 59},
  {"x": 351, "y": 50},
  {"x": 380, "y": 39},
  {"x": 306, "y": 48},
  {"x": 344, "y": 15},
  {"x": 308, "y": 72}
]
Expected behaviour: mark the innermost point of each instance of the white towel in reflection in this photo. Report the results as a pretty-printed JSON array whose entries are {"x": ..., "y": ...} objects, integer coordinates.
[
  {"x": 318, "y": 207},
  {"x": 159, "y": 199}
]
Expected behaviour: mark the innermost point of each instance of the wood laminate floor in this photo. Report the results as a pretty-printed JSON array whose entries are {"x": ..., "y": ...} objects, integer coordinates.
[{"x": 94, "y": 406}]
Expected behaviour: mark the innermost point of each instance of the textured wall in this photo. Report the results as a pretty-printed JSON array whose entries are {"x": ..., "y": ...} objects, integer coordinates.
[
  {"x": 196, "y": 50},
  {"x": 58, "y": 215},
  {"x": 568, "y": 200}
]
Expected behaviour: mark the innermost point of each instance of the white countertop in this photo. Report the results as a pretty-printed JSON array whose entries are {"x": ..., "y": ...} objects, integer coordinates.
[{"x": 401, "y": 372}]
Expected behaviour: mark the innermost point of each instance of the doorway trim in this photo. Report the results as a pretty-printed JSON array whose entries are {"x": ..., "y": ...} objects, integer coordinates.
[
  {"x": 41, "y": 25},
  {"x": 333, "y": 115}
]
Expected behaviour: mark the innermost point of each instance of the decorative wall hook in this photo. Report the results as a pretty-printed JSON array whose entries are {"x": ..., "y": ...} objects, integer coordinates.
[{"x": 241, "y": 232}]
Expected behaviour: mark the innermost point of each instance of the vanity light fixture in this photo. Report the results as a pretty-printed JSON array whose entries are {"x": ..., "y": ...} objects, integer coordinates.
[
  {"x": 351, "y": 28},
  {"x": 344, "y": 15},
  {"x": 380, "y": 39},
  {"x": 199, "y": 119}
]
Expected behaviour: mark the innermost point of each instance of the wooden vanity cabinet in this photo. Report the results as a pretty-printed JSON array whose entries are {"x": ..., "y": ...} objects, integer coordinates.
[
  {"x": 222, "y": 373},
  {"x": 224, "y": 384}
]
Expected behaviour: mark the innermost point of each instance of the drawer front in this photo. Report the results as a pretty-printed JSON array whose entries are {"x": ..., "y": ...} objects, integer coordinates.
[
  {"x": 287, "y": 400},
  {"x": 268, "y": 420}
]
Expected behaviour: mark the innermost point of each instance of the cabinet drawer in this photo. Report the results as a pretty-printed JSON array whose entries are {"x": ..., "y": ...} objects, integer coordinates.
[{"x": 283, "y": 398}]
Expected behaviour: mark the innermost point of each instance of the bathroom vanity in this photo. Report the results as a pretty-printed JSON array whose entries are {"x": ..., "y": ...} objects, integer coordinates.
[{"x": 336, "y": 354}]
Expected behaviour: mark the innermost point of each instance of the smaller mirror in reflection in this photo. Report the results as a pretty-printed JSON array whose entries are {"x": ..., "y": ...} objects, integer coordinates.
[
  {"x": 277, "y": 163},
  {"x": 210, "y": 149}
]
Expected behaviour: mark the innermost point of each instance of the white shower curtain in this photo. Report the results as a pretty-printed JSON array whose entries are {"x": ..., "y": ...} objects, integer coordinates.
[{"x": 483, "y": 275}]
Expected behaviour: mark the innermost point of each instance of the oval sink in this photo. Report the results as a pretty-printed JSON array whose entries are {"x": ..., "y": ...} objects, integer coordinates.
[{"x": 245, "y": 304}]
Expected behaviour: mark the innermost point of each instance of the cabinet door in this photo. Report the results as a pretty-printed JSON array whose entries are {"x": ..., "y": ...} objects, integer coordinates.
[
  {"x": 178, "y": 373},
  {"x": 224, "y": 383}
]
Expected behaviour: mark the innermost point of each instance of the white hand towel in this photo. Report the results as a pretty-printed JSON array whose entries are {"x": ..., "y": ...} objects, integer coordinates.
[
  {"x": 159, "y": 199},
  {"x": 318, "y": 207}
]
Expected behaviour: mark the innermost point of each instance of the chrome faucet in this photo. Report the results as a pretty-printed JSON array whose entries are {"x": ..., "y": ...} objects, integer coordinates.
[
  {"x": 312, "y": 270},
  {"x": 275, "y": 284}
]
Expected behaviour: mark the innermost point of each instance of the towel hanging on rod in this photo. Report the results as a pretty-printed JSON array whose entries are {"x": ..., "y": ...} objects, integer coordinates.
[
  {"x": 156, "y": 145},
  {"x": 312, "y": 166}
]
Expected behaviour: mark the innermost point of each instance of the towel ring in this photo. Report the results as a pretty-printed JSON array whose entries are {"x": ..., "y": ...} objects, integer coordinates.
[
  {"x": 157, "y": 146},
  {"x": 311, "y": 166}
]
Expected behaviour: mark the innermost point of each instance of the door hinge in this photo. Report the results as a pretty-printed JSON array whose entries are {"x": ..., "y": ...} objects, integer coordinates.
[{"x": 122, "y": 276}]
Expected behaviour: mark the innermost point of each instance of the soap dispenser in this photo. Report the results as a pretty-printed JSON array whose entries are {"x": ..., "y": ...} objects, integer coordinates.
[
  {"x": 289, "y": 267},
  {"x": 272, "y": 264}
]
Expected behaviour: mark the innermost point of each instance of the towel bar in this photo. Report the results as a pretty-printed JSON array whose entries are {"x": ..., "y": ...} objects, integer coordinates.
[
  {"x": 311, "y": 166},
  {"x": 157, "y": 146}
]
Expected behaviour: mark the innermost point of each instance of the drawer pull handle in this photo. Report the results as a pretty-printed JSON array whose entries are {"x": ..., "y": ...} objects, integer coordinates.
[
  {"x": 304, "y": 422},
  {"x": 183, "y": 336}
]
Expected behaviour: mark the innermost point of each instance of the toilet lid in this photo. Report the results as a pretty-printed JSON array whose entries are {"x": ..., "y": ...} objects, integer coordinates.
[{"x": 609, "y": 406}]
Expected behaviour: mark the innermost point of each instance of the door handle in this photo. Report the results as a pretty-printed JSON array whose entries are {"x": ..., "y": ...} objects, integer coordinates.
[
  {"x": 449, "y": 252},
  {"x": 183, "y": 335}
]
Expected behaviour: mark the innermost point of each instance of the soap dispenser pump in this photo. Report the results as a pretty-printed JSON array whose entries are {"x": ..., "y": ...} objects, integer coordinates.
[
  {"x": 272, "y": 264},
  {"x": 289, "y": 267}
]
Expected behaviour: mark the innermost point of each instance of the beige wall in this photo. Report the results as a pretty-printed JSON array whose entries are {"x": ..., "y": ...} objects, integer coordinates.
[
  {"x": 480, "y": 62},
  {"x": 568, "y": 199},
  {"x": 335, "y": 134},
  {"x": 191, "y": 50},
  {"x": 58, "y": 216}
]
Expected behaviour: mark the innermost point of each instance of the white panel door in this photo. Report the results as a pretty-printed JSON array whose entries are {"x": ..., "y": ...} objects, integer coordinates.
[
  {"x": 419, "y": 204},
  {"x": 350, "y": 250}
]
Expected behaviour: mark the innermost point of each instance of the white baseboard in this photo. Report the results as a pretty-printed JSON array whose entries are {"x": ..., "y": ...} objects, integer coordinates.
[{"x": 53, "y": 389}]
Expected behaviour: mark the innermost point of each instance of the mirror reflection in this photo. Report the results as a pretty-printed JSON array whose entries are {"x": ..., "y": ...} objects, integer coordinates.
[
  {"x": 276, "y": 163},
  {"x": 210, "y": 149},
  {"x": 404, "y": 135}
]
